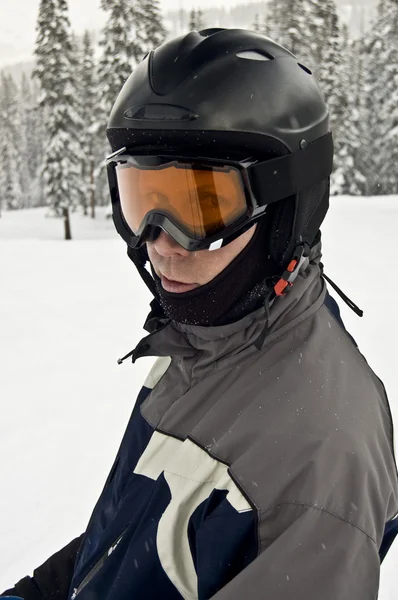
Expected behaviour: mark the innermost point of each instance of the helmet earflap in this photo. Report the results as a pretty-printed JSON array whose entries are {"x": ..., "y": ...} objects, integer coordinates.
[{"x": 296, "y": 220}]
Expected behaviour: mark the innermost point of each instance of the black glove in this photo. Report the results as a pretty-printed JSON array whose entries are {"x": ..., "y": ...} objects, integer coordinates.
[{"x": 52, "y": 580}]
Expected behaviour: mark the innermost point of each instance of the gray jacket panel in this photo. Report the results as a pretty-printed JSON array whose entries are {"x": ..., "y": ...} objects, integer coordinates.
[
  {"x": 311, "y": 555},
  {"x": 305, "y": 428}
]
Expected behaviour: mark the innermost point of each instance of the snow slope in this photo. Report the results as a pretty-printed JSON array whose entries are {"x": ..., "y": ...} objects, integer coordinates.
[{"x": 68, "y": 310}]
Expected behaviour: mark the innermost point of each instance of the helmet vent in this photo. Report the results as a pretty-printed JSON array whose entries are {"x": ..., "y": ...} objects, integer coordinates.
[
  {"x": 160, "y": 112},
  {"x": 254, "y": 55},
  {"x": 306, "y": 69},
  {"x": 210, "y": 31}
]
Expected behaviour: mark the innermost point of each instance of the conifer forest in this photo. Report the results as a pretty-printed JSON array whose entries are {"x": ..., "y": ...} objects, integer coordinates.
[{"x": 53, "y": 120}]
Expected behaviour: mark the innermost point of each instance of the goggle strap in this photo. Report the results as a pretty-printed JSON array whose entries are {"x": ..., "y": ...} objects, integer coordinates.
[{"x": 285, "y": 176}]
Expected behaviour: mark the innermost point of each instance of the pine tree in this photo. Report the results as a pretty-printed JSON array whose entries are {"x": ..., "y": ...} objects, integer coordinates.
[
  {"x": 374, "y": 99},
  {"x": 122, "y": 47},
  {"x": 287, "y": 22},
  {"x": 27, "y": 125},
  {"x": 256, "y": 25},
  {"x": 382, "y": 91},
  {"x": 334, "y": 81},
  {"x": 9, "y": 183},
  {"x": 25, "y": 122},
  {"x": 10, "y": 158},
  {"x": 181, "y": 18},
  {"x": 359, "y": 81},
  {"x": 36, "y": 141},
  {"x": 389, "y": 109},
  {"x": 267, "y": 28},
  {"x": 87, "y": 109},
  {"x": 361, "y": 119},
  {"x": 32, "y": 142},
  {"x": 351, "y": 177},
  {"x": 200, "y": 24},
  {"x": 120, "y": 51},
  {"x": 192, "y": 20},
  {"x": 151, "y": 23},
  {"x": 319, "y": 29},
  {"x": 2, "y": 147},
  {"x": 56, "y": 72},
  {"x": 273, "y": 20},
  {"x": 294, "y": 27}
]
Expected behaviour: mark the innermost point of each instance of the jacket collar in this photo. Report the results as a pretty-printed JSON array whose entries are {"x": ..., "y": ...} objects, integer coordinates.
[{"x": 215, "y": 343}]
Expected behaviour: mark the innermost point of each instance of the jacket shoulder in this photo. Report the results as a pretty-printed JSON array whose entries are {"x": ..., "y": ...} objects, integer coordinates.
[{"x": 316, "y": 429}]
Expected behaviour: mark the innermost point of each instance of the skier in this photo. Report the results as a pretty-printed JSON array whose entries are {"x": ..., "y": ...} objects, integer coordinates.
[{"x": 258, "y": 461}]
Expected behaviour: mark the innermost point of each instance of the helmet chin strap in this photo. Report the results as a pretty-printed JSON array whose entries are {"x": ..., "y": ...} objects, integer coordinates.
[{"x": 139, "y": 259}]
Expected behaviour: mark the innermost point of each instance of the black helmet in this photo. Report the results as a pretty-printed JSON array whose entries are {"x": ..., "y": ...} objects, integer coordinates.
[{"x": 233, "y": 93}]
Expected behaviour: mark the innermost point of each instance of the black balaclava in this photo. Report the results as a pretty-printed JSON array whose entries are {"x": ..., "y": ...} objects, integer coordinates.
[{"x": 238, "y": 290}]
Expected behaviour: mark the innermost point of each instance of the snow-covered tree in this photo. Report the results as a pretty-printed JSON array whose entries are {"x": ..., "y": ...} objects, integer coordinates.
[
  {"x": 192, "y": 20},
  {"x": 265, "y": 28},
  {"x": 120, "y": 52},
  {"x": 288, "y": 23},
  {"x": 359, "y": 81},
  {"x": 334, "y": 81},
  {"x": 382, "y": 98},
  {"x": 388, "y": 27},
  {"x": 256, "y": 24},
  {"x": 27, "y": 104},
  {"x": 10, "y": 141},
  {"x": 56, "y": 70},
  {"x": 196, "y": 20},
  {"x": 149, "y": 19},
  {"x": 32, "y": 142},
  {"x": 133, "y": 28},
  {"x": 10, "y": 191},
  {"x": 38, "y": 144},
  {"x": 350, "y": 175},
  {"x": 200, "y": 23},
  {"x": 294, "y": 27},
  {"x": 273, "y": 20},
  {"x": 122, "y": 47},
  {"x": 88, "y": 100}
]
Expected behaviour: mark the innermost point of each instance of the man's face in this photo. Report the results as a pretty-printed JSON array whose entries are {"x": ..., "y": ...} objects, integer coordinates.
[{"x": 182, "y": 271}]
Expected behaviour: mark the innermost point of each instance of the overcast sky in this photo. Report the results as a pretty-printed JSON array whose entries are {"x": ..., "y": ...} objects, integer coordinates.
[{"x": 18, "y": 21}]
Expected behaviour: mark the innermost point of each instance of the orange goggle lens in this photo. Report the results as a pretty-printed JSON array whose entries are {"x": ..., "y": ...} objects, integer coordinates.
[{"x": 202, "y": 201}]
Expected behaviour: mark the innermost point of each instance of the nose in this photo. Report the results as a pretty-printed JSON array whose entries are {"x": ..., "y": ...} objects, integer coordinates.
[{"x": 166, "y": 246}]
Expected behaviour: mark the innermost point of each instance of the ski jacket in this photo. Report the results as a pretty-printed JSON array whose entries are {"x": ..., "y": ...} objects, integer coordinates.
[{"x": 248, "y": 470}]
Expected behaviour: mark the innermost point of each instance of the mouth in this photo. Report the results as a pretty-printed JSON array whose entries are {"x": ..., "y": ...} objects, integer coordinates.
[{"x": 176, "y": 287}]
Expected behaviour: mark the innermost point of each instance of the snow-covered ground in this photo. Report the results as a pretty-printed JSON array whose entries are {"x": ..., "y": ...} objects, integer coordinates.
[{"x": 68, "y": 310}]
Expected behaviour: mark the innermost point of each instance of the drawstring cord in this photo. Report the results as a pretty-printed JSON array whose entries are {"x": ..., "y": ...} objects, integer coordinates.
[
  {"x": 120, "y": 360},
  {"x": 261, "y": 338},
  {"x": 288, "y": 278},
  {"x": 284, "y": 284},
  {"x": 343, "y": 296}
]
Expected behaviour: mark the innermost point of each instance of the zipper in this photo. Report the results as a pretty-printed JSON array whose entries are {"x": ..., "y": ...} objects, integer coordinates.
[{"x": 97, "y": 567}]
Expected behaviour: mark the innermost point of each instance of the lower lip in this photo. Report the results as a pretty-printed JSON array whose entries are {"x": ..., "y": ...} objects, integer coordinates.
[{"x": 175, "y": 286}]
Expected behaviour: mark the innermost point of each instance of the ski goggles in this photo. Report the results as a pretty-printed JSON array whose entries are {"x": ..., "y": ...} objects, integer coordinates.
[{"x": 205, "y": 202}]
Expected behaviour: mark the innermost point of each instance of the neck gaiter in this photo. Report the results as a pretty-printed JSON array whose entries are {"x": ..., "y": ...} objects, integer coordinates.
[{"x": 238, "y": 290}]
